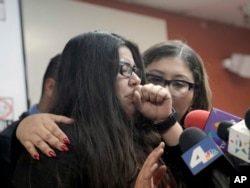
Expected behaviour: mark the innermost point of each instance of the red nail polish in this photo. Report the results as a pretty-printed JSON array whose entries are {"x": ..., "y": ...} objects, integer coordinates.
[
  {"x": 36, "y": 157},
  {"x": 52, "y": 154},
  {"x": 66, "y": 141},
  {"x": 64, "y": 148}
]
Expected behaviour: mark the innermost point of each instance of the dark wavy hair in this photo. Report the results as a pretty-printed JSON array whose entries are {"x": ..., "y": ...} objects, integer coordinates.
[{"x": 110, "y": 148}]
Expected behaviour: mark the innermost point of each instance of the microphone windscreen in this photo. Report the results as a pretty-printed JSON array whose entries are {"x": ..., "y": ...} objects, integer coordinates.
[
  {"x": 189, "y": 137},
  {"x": 196, "y": 118},
  {"x": 247, "y": 118},
  {"x": 223, "y": 129}
]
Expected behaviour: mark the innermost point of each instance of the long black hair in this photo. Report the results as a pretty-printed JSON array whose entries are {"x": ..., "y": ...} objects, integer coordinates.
[{"x": 110, "y": 148}]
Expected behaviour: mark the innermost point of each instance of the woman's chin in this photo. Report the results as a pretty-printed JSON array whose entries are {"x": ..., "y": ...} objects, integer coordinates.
[{"x": 131, "y": 110}]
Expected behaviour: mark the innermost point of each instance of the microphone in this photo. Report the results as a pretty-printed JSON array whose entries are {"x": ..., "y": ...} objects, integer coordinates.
[
  {"x": 239, "y": 139},
  {"x": 223, "y": 129},
  {"x": 217, "y": 127},
  {"x": 239, "y": 147},
  {"x": 242, "y": 178},
  {"x": 199, "y": 151},
  {"x": 215, "y": 117},
  {"x": 196, "y": 118},
  {"x": 247, "y": 118},
  {"x": 204, "y": 158}
]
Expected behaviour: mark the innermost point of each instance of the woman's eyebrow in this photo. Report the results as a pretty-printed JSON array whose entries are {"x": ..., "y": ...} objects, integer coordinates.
[
  {"x": 128, "y": 62},
  {"x": 181, "y": 76}
]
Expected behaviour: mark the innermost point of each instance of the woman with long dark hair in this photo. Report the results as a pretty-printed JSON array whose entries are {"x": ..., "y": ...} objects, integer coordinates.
[{"x": 116, "y": 120}]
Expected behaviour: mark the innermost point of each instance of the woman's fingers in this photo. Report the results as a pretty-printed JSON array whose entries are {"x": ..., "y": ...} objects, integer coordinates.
[
  {"x": 153, "y": 93},
  {"x": 41, "y": 131},
  {"x": 31, "y": 149},
  {"x": 61, "y": 119},
  {"x": 53, "y": 134},
  {"x": 151, "y": 174},
  {"x": 153, "y": 101},
  {"x": 38, "y": 143},
  {"x": 159, "y": 174},
  {"x": 151, "y": 162},
  {"x": 58, "y": 133}
]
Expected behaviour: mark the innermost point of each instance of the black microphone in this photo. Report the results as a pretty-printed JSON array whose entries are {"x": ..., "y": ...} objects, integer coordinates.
[
  {"x": 224, "y": 126},
  {"x": 204, "y": 158},
  {"x": 223, "y": 129},
  {"x": 247, "y": 118}
]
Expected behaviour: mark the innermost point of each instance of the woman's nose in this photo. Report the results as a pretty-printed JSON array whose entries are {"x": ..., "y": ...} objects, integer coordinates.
[{"x": 134, "y": 79}]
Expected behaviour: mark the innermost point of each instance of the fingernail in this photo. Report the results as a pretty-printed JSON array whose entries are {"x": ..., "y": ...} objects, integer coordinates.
[
  {"x": 66, "y": 141},
  {"x": 36, "y": 157},
  {"x": 64, "y": 148},
  {"x": 52, "y": 154}
]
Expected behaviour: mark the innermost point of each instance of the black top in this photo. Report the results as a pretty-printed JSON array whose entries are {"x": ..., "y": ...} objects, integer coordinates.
[{"x": 6, "y": 167}]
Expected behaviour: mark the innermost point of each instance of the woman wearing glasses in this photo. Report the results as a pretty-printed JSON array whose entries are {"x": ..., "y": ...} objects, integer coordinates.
[
  {"x": 173, "y": 65},
  {"x": 113, "y": 136},
  {"x": 176, "y": 66}
]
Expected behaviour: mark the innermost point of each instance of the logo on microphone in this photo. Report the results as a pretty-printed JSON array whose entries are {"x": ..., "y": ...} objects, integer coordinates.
[
  {"x": 240, "y": 145},
  {"x": 239, "y": 141},
  {"x": 201, "y": 155},
  {"x": 215, "y": 117}
]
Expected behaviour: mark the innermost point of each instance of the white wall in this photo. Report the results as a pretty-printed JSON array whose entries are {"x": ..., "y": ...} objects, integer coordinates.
[
  {"x": 13, "y": 99},
  {"x": 49, "y": 24}
]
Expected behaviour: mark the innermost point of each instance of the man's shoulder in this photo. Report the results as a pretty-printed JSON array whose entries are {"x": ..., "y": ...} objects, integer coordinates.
[
  {"x": 23, "y": 115},
  {"x": 7, "y": 132}
]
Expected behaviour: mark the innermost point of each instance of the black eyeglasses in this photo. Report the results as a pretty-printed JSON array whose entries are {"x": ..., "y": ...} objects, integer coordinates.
[
  {"x": 178, "y": 88},
  {"x": 127, "y": 70}
]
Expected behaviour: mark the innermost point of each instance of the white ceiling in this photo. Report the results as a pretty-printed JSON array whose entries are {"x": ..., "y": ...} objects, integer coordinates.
[{"x": 223, "y": 11}]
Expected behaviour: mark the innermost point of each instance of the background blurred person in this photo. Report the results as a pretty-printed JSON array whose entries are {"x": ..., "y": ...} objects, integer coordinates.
[
  {"x": 175, "y": 65},
  {"x": 44, "y": 105}
]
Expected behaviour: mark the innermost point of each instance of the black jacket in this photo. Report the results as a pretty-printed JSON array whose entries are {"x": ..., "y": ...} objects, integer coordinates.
[{"x": 7, "y": 159}]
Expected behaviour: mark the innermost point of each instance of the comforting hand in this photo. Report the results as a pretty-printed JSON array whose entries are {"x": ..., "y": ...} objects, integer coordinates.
[
  {"x": 151, "y": 173},
  {"x": 153, "y": 101},
  {"x": 41, "y": 131}
]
